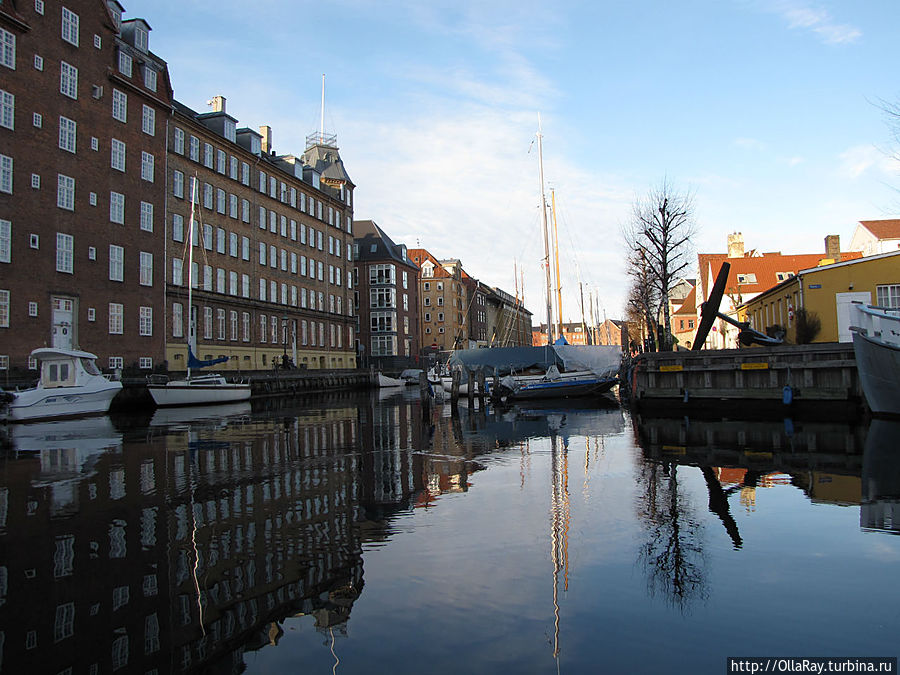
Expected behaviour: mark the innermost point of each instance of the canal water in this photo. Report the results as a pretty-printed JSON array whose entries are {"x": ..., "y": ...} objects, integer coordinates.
[{"x": 363, "y": 533}]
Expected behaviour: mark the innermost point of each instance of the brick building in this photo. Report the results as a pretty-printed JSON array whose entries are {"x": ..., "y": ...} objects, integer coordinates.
[
  {"x": 386, "y": 299},
  {"x": 444, "y": 307},
  {"x": 82, "y": 184},
  {"x": 272, "y": 246}
]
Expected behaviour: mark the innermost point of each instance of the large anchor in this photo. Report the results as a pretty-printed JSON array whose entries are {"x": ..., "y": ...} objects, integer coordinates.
[{"x": 709, "y": 312}]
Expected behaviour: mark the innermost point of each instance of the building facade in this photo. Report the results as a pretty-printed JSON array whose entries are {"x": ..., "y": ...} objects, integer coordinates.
[
  {"x": 386, "y": 300},
  {"x": 82, "y": 185},
  {"x": 271, "y": 247},
  {"x": 443, "y": 302},
  {"x": 508, "y": 323},
  {"x": 872, "y": 237},
  {"x": 827, "y": 294}
]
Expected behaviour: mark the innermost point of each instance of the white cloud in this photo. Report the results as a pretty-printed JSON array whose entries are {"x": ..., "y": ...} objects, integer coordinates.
[
  {"x": 819, "y": 21},
  {"x": 861, "y": 159}
]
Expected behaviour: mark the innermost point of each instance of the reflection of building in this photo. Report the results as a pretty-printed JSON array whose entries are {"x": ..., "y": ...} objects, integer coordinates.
[{"x": 176, "y": 553}]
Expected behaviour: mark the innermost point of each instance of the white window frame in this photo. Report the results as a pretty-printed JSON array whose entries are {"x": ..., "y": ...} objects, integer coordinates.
[
  {"x": 67, "y": 134},
  {"x": 120, "y": 105},
  {"x": 70, "y": 26},
  {"x": 65, "y": 253},
  {"x": 68, "y": 80},
  {"x": 116, "y": 263},
  {"x": 65, "y": 192},
  {"x": 117, "y": 154}
]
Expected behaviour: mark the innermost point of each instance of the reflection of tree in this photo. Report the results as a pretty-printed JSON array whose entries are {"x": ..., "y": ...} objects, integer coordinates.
[{"x": 673, "y": 551}]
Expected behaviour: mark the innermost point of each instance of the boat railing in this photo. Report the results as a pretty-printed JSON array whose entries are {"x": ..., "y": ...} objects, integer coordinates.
[{"x": 878, "y": 322}]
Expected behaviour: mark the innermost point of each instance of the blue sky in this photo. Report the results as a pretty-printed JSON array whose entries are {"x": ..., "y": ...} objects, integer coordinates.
[{"x": 766, "y": 110}]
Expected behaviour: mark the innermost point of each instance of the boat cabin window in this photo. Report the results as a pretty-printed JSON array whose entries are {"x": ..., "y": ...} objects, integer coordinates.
[
  {"x": 90, "y": 367},
  {"x": 58, "y": 374}
]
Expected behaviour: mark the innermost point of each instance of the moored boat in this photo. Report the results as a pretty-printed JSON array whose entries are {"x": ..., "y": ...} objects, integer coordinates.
[
  {"x": 70, "y": 385},
  {"x": 876, "y": 342}
]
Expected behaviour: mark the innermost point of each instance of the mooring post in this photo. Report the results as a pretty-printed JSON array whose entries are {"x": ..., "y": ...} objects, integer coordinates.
[
  {"x": 471, "y": 392},
  {"x": 481, "y": 389},
  {"x": 454, "y": 386}
]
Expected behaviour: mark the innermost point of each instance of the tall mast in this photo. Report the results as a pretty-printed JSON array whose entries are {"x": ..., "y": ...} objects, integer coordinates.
[
  {"x": 192, "y": 329},
  {"x": 322, "y": 115},
  {"x": 583, "y": 325},
  {"x": 559, "y": 311},
  {"x": 546, "y": 235}
]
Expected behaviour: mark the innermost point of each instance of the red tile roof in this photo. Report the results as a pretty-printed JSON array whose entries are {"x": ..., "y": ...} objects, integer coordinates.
[
  {"x": 765, "y": 267},
  {"x": 883, "y": 229}
]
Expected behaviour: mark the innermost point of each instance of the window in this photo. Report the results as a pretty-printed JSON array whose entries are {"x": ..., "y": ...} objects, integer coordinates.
[
  {"x": 177, "y": 320},
  {"x": 145, "y": 363},
  {"x": 220, "y": 201},
  {"x": 68, "y": 80},
  {"x": 888, "y": 295},
  {"x": 117, "y": 208},
  {"x": 220, "y": 324},
  {"x": 119, "y": 105},
  {"x": 67, "y": 134},
  {"x": 4, "y": 309},
  {"x": 116, "y": 318},
  {"x": 37, "y": 120},
  {"x": 64, "y": 252},
  {"x": 141, "y": 38},
  {"x": 8, "y": 49},
  {"x": 149, "y": 78},
  {"x": 116, "y": 362},
  {"x": 65, "y": 192},
  {"x": 177, "y": 227},
  {"x": 124, "y": 63},
  {"x": 117, "y": 154},
  {"x": 208, "y": 155},
  {"x": 220, "y": 161},
  {"x": 146, "y": 321},
  {"x": 39, "y": 6},
  {"x": 749, "y": 278},
  {"x": 69, "y": 26},
  {"x": 195, "y": 149},
  {"x": 207, "y": 323},
  {"x": 179, "y": 141},
  {"x": 177, "y": 271},
  {"x": 178, "y": 184},
  {"x": 116, "y": 263},
  {"x": 245, "y": 248},
  {"x": 220, "y": 240},
  {"x": 382, "y": 274},
  {"x": 147, "y": 216},
  {"x": 6, "y": 174},
  {"x": 147, "y": 166},
  {"x": 148, "y": 121},
  {"x": 5, "y": 241},
  {"x": 7, "y": 109}
]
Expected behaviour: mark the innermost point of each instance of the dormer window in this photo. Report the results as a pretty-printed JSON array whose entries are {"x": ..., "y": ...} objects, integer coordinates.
[
  {"x": 749, "y": 278},
  {"x": 230, "y": 132},
  {"x": 116, "y": 12},
  {"x": 255, "y": 145},
  {"x": 141, "y": 38}
]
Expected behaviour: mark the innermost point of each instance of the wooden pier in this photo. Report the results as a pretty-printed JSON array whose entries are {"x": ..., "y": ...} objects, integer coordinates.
[{"x": 788, "y": 376}]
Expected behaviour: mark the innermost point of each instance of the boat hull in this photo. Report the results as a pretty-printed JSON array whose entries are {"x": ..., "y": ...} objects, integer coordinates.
[
  {"x": 61, "y": 402},
  {"x": 878, "y": 364},
  {"x": 184, "y": 393},
  {"x": 561, "y": 388}
]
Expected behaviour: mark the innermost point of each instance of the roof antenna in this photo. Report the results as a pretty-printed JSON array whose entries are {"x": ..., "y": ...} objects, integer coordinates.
[{"x": 322, "y": 117}]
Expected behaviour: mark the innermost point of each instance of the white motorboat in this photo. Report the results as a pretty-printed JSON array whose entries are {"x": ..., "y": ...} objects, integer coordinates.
[
  {"x": 70, "y": 385},
  {"x": 876, "y": 342}
]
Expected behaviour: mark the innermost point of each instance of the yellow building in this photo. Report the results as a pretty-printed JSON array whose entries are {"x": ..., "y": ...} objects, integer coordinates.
[{"x": 827, "y": 294}]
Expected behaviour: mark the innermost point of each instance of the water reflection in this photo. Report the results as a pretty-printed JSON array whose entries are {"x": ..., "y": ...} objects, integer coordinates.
[{"x": 182, "y": 541}]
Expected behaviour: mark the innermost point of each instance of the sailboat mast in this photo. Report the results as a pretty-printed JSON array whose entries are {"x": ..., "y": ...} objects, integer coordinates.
[
  {"x": 546, "y": 235},
  {"x": 581, "y": 295},
  {"x": 192, "y": 330},
  {"x": 559, "y": 312}
]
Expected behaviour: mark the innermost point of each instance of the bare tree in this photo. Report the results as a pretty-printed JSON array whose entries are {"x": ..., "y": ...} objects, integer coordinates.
[
  {"x": 659, "y": 236},
  {"x": 643, "y": 297}
]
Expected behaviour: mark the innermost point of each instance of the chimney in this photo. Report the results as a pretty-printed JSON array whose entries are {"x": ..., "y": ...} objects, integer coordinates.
[
  {"x": 217, "y": 103},
  {"x": 736, "y": 245},
  {"x": 833, "y": 247},
  {"x": 266, "y": 133}
]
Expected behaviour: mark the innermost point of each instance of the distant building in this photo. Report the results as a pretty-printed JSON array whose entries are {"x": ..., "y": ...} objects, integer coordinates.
[
  {"x": 752, "y": 273},
  {"x": 872, "y": 237},
  {"x": 827, "y": 293},
  {"x": 443, "y": 309},
  {"x": 684, "y": 319},
  {"x": 386, "y": 299},
  {"x": 84, "y": 106},
  {"x": 508, "y": 323}
]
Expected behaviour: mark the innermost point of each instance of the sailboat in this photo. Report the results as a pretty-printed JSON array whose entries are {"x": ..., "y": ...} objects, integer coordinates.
[
  {"x": 206, "y": 388},
  {"x": 550, "y": 371}
]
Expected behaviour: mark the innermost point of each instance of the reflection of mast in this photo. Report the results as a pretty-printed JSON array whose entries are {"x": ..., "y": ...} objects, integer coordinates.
[
  {"x": 559, "y": 527},
  {"x": 196, "y": 553}
]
